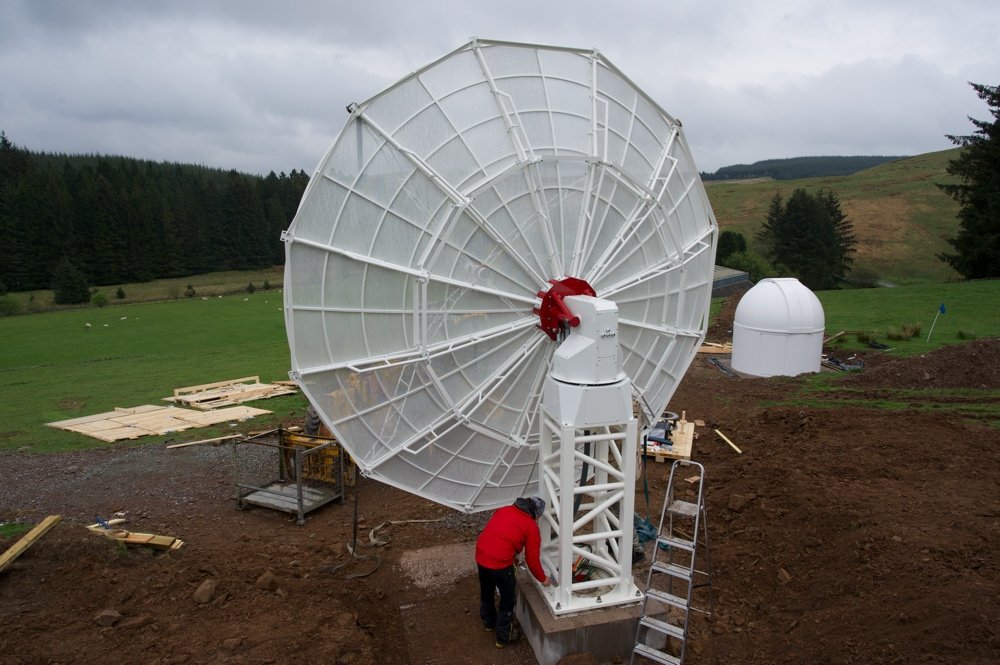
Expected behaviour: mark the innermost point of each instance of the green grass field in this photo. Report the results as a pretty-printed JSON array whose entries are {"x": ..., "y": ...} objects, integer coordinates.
[
  {"x": 54, "y": 367},
  {"x": 971, "y": 308}
]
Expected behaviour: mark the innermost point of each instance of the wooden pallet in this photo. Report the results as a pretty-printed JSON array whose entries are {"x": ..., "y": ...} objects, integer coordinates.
[
  {"x": 149, "y": 419},
  {"x": 229, "y": 393}
]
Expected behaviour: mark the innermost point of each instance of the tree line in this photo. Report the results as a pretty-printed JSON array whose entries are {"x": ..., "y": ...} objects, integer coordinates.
[
  {"x": 794, "y": 168},
  {"x": 119, "y": 219}
]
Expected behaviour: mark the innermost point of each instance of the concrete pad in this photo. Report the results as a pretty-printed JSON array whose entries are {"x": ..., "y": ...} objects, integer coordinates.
[{"x": 606, "y": 634}]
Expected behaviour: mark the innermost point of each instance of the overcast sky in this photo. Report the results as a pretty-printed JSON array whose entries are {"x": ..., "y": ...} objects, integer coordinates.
[{"x": 261, "y": 85}]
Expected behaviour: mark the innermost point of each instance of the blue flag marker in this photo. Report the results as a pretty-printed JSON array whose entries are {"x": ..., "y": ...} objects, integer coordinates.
[{"x": 939, "y": 313}]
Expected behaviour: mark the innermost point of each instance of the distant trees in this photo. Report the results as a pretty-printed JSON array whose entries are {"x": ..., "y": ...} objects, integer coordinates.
[
  {"x": 799, "y": 167},
  {"x": 810, "y": 236},
  {"x": 730, "y": 242},
  {"x": 122, "y": 220},
  {"x": 977, "y": 245},
  {"x": 69, "y": 284}
]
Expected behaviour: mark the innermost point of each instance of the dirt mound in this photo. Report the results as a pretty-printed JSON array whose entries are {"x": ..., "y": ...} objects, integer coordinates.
[{"x": 974, "y": 364}]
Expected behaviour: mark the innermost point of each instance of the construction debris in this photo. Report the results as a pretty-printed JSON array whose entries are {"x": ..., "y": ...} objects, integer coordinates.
[
  {"x": 841, "y": 366},
  {"x": 681, "y": 440},
  {"x": 712, "y": 347},
  {"x": 229, "y": 393},
  {"x": 148, "y": 419},
  {"x": 153, "y": 540},
  {"x": 27, "y": 540}
]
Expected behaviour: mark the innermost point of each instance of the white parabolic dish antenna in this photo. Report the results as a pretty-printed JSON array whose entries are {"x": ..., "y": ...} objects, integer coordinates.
[{"x": 422, "y": 243}]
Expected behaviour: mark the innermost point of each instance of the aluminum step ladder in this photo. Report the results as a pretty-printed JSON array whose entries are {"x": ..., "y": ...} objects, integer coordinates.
[{"x": 681, "y": 546}]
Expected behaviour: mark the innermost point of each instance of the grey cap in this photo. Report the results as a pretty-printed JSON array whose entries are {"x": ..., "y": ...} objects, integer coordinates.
[{"x": 537, "y": 506}]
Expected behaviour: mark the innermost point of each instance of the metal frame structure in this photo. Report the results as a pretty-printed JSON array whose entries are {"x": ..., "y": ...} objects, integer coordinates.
[{"x": 309, "y": 472}]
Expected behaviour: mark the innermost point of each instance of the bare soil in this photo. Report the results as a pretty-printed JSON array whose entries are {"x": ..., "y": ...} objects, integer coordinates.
[{"x": 839, "y": 535}]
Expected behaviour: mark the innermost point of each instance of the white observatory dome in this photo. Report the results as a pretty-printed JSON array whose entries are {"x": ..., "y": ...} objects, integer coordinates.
[{"x": 778, "y": 330}]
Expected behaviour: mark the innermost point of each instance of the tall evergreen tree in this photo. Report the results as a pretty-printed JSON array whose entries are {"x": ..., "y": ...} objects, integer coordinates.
[
  {"x": 977, "y": 245},
  {"x": 810, "y": 235},
  {"x": 69, "y": 284}
]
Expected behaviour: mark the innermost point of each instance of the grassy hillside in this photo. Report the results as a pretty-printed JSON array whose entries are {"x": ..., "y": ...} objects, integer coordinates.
[{"x": 901, "y": 218}]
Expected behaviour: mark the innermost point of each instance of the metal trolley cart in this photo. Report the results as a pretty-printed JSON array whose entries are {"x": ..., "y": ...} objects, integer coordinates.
[{"x": 310, "y": 471}]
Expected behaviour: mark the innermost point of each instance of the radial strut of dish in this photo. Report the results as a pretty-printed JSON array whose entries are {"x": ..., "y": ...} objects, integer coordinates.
[{"x": 445, "y": 205}]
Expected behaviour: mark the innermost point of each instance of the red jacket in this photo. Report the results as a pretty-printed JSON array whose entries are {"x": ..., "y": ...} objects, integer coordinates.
[{"x": 509, "y": 531}]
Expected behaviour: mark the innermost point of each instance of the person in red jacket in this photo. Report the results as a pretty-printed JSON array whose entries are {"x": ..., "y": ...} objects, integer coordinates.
[{"x": 512, "y": 529}]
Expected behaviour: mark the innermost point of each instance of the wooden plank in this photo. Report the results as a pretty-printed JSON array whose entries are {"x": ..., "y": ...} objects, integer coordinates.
[
  {"x": 146, "y": 539},
  {"x": 27, "y": 540},
  {"x": 217, "y": 439},
  {"x": 731, "y": 444}
]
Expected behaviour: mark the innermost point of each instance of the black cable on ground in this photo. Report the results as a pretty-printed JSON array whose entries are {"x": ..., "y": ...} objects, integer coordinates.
[{"x": 353, "y": 547}]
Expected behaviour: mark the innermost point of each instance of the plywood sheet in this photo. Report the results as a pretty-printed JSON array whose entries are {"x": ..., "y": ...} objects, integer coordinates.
[{"x": 146, "y": 420}]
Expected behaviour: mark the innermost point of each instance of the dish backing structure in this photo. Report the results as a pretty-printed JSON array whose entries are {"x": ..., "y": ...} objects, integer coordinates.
[{"x": 429, "y": 262}]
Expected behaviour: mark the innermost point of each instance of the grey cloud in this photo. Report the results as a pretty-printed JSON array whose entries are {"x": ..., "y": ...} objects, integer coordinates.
[{"x": 258, "y": 85}]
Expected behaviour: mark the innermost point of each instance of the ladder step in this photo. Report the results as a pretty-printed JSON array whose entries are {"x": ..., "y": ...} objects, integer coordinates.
[
  {"x": 672, "y": 569},
  {"x": 670, "y": 630},
  {"x": 655, "y": 655},
  {"x": 676, "y": 543},
  {"x": 668, "y": 599},
  {"x": 685, "y": 508}
]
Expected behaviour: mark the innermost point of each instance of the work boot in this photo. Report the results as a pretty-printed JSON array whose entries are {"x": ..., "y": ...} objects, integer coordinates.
[
  {"x": 507, "y": 632},
  {"x": 514, "y": 636}
]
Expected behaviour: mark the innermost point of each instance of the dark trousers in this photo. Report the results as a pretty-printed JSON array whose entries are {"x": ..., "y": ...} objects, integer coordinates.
[{"x": 503, "y": 617}]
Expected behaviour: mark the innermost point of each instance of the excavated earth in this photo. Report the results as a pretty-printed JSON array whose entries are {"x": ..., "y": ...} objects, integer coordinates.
[{"x": 845, "y": 532}]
